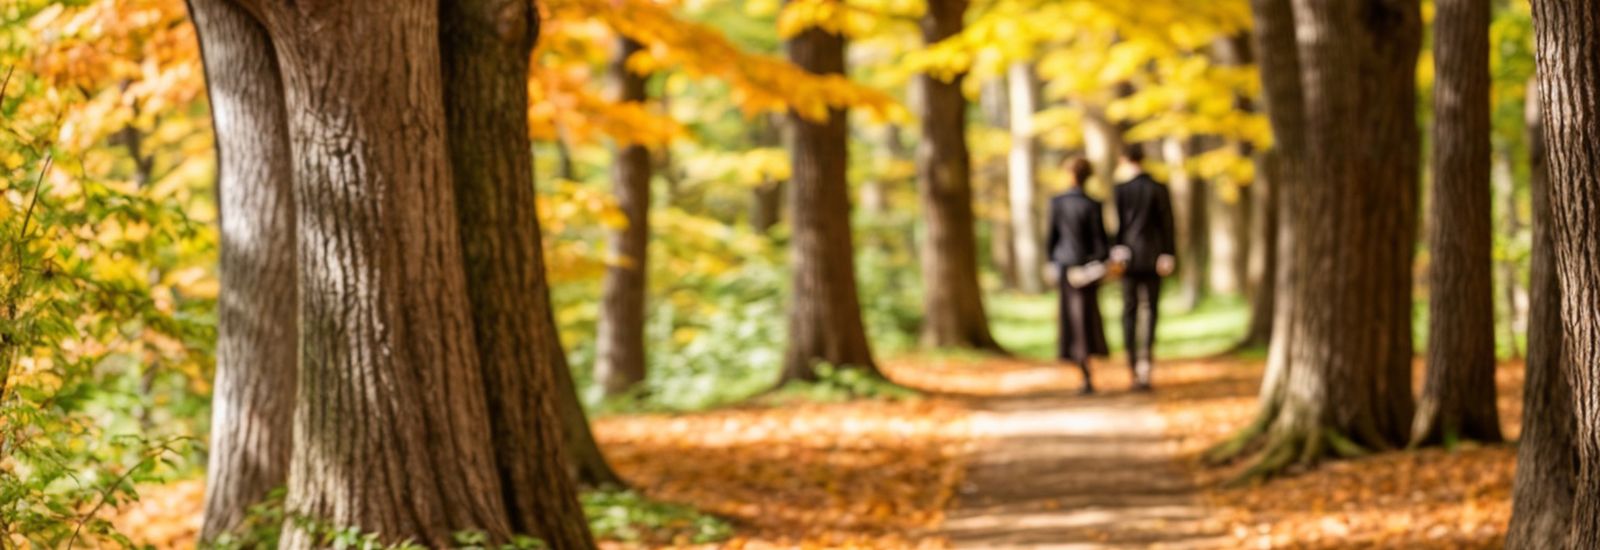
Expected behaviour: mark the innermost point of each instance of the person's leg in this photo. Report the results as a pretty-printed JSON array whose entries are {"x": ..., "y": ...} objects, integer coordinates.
[
  {"x": 1130, "y": 319},
  {"x": 1079, "y": 350},
  {"x": 1150, "y": 291}
]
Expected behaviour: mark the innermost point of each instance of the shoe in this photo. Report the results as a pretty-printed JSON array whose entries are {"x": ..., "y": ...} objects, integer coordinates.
[{"x": 1086, "y": 390}]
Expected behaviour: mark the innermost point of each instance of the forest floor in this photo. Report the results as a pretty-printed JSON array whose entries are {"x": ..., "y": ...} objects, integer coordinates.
[{"x": 1000, "y": 453}]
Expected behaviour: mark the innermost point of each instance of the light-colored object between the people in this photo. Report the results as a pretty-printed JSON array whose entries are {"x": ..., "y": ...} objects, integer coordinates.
[{"x": 1085, "y": 275}]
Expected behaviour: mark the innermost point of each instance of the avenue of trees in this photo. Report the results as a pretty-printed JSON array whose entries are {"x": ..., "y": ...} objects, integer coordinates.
[{"x": 393, "y": 337}]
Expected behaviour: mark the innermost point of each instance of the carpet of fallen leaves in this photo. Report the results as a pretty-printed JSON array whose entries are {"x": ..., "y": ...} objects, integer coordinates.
[
  {"x": 1426, "y": 499},
  {"x": 859, "y": 474},
  {"x": 870, "y": 474}
]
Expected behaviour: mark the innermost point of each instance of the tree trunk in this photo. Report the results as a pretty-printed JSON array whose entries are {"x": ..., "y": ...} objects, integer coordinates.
[
  {"x": 619, "y": 350},
  {"x": 766, "y": 200},
  {"x": 391, "y": 418},
  {"x": 995, "y": 104},
  {"x": 486, "y": 46},
  {"x": 824, "y": 307},
  {"x": 1569, "y": 74},
  {"x": 1339, "y": 373},
  {"x": 1458, "y": 398},
  {"x": 1516, "y": 296},
  {"x": 1541, "y": 496},
  {"x": 253, "y": 399},
  {"x": 1024, "y": 178},
  {"x": 1190, "y": 199},
  {"x": 1102, "y": 143},
  {"x": 953, "y": 314},
  {"x": 1228, "y": 243},
  {"x": 1263, "y": 258}
]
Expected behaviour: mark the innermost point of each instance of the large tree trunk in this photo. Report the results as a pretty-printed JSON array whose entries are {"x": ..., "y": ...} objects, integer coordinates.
[
  {"x": 1283, "y": 97},
  {"x": 486, "y": 46},
  {"x": 619, "y": 350},
  {"x": 391, "y": 423},
  {"x": 1541, "y": 496},
  {"x": 1339, "y": 381},
  {"x": 1458, "y": 398},
  {"x": 953, "y": 314},
  {"x": 824, "y": 306},
  {"x": 1569, "y": 74},
  {"x": 1023, "y": 171},
  {"x": 253, "y": 401}
]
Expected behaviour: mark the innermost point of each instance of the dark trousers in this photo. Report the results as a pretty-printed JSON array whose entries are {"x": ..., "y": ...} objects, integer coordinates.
[{"x": 1141, "y": 304}]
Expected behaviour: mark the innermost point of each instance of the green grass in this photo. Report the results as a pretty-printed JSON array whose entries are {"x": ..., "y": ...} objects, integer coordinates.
[{"x": 1026, "y": 325}]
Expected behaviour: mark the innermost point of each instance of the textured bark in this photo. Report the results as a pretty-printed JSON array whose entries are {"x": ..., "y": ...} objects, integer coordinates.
[
  {"x": 824, "y": 306},
  {"x": 619, "y": 349},
  {"x": 1458, "y": 397},
  {"x": 1542, "y": 494},
  {"x": 391, "y": 424},
  {"x": 1023, "y": 173},
  {"x": 1569, "y": 74},
  {"x": 1355, "y": 222},
  {"x": 485, "y": 49},
  {"x": 1190, "y": 199},
  {"x": 1339, "y": 373},
  {"x": 953, "y": 313},
  {"x": 253, "y": 401}
]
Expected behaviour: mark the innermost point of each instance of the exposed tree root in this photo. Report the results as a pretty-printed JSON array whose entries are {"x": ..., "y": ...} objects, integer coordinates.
[
  {"x": 1236, "y": 445},
  {"x": 1291, "y": 448}
]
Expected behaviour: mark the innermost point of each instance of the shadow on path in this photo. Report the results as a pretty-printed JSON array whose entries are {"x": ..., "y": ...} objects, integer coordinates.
[{"x": 1056, "y": 470}]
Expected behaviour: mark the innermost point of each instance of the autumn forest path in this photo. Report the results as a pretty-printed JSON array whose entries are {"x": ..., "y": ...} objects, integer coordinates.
[{"x": 1056, "y": 470}]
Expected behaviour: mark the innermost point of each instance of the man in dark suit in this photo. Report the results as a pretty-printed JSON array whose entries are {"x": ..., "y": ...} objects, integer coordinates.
[
  {"x": 1146, "y": 247},
  {"x": 1078, "y": 247}
]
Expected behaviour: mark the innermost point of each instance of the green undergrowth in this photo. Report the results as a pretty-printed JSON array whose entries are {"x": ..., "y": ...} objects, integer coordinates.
[{"x": 626, "y": 516}]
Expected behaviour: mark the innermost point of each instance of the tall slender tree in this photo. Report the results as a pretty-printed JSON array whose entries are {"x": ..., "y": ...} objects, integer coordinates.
[
  {"x": 1458, "y": 398},
  {"x": 1542, "y": 493},
  {"x": 824, "y": 305},
  {"x": 620, "y": 351},
  {"x": 1023, "y": 172},
  {"x": 253, "y": 399},
  {"x": 1569, "y": 74},
  {"x": 953, "y": 312}
]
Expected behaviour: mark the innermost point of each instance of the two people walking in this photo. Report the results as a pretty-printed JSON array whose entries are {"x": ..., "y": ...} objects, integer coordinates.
[{"x": 1142, "y": 253}]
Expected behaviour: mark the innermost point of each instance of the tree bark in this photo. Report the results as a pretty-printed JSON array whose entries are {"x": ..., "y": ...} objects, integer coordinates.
[
  {"x": 1023, "y": 174},
  {"x": 1542, "y": 494},
  {"x": 953, "y": 313},
  {"x": 485, "y": 48},
  {"x": 619, "y": 350},
  {"x": 253, "y": 398},
  {"x": 391, "y": 420},
  {"x": 1339, "y": 379},
  {"x": 1569, "y": 74},
  {"x": 824, "y": 306},
  {"x": 766, "y": 200},
  {"x": 1458, "y": 397}
]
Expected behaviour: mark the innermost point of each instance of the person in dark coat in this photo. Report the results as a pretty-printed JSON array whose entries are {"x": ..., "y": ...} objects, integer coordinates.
[
  {"x": 1078, "y": 247},
  {"x": 1147, "y": 249}
]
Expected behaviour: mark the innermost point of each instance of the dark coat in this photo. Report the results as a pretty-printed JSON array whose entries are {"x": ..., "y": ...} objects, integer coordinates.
[
  {"x": 1144, "y": 216},
  {"x": 1077, "y": 230},
  {"x": 1078, "y": 237}
]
